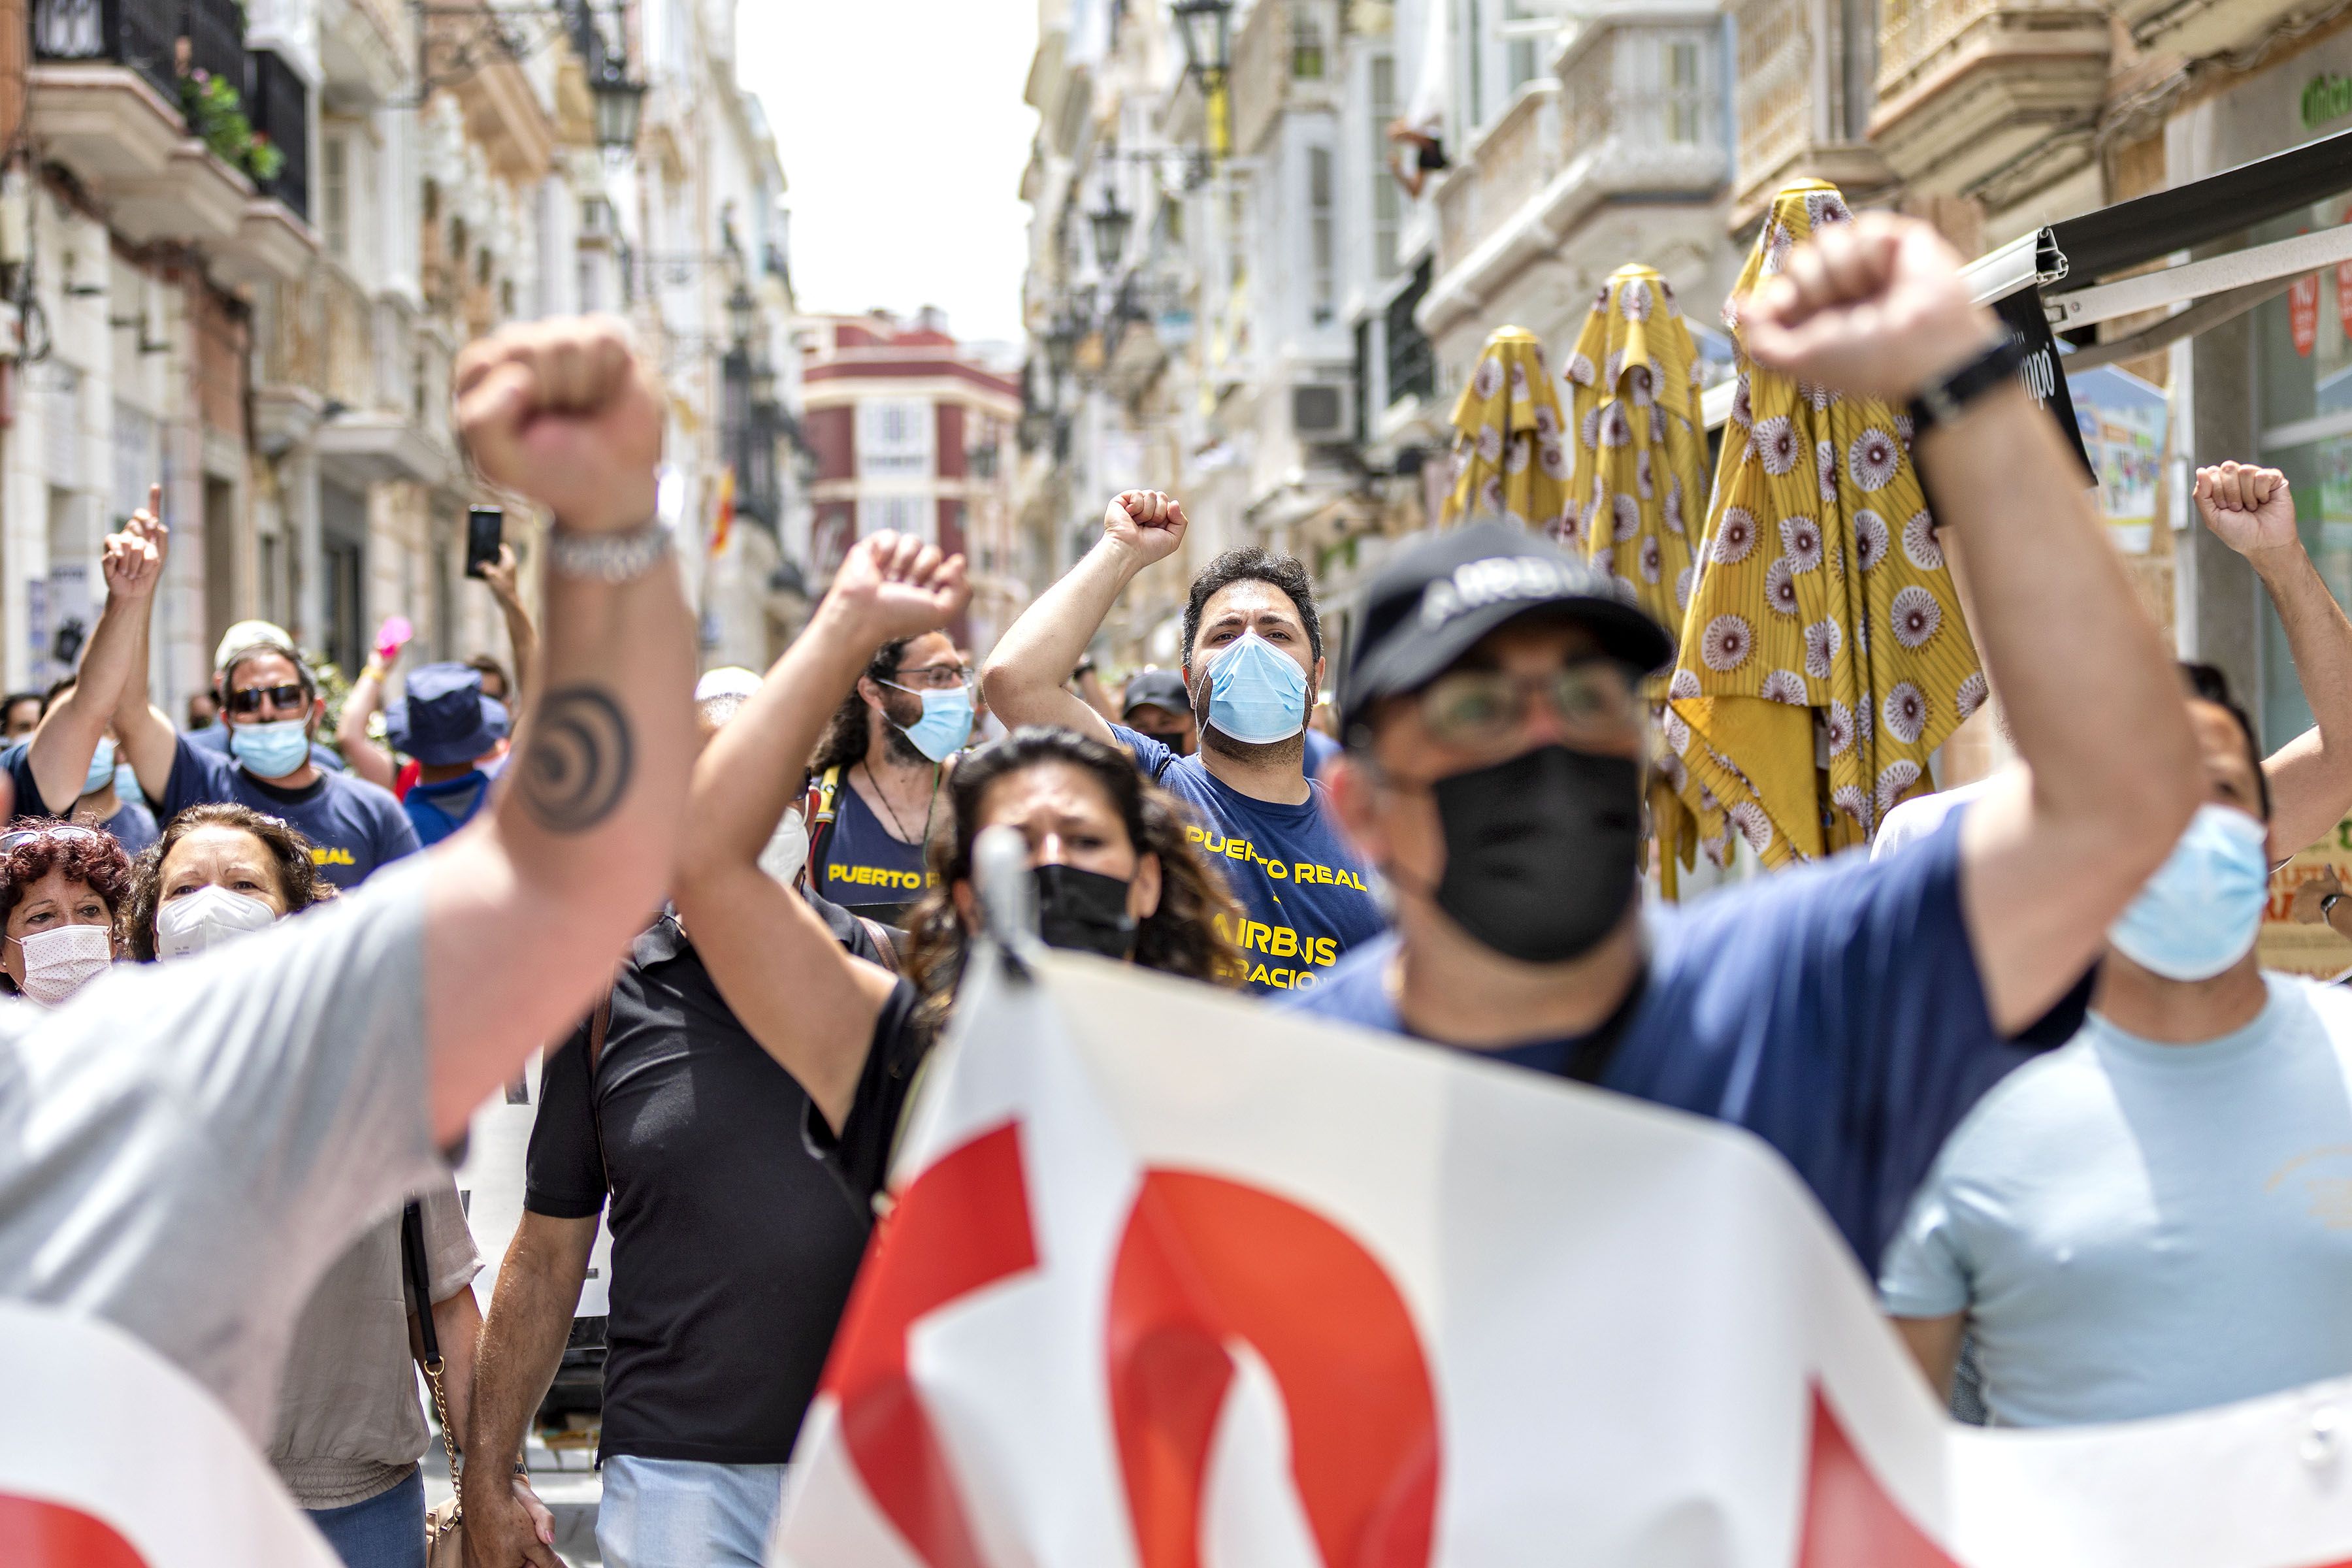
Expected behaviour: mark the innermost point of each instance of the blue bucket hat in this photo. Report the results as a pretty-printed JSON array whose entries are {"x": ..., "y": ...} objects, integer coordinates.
[{"x": 445, "y": 718}]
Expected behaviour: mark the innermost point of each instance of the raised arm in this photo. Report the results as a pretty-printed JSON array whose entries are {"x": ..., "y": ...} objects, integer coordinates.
[
  {"x": 144, "y": 734},
  {"x": 531, "y": 905},
  {"x": 1878, "y": 307},
  {"x": 69, "y": 733},
  {"x": 363, "y": 701},
  {"x": 810, "y": 1005},
  {"x": 1026, "y": 670},
  {"x": 2251, "y": 510},
  {"x": 522, "y": 638}
]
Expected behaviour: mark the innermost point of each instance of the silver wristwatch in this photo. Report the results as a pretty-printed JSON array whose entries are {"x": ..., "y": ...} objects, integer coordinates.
[{"x": 608, "y": 557}]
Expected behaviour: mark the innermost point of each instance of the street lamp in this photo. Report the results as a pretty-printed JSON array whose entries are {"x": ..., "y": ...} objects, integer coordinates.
[
  {"x": 741, "y": 315},
  {"x": 620, "y": 102},
  {"x": 1110, "y": 223},
  {"x": 1207, "y": 29},
  {"x": 1062, "y": 343}
]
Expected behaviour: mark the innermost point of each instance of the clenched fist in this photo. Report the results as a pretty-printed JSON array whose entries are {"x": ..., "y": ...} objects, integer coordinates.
[
  {"x": 894, "y": 586},
  {"x": 1147, "y": 523},
  {"x": 566, "y": 412},
  {"x": 1875, "y": 307},
  {"x": 2249, "y": 509}
]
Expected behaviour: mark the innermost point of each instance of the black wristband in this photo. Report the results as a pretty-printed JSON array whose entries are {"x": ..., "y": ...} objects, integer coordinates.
[{"x": 1941, "y": 400}]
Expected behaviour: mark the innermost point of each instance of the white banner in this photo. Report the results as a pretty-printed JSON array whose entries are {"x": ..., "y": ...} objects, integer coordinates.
[
  {"x": 1173, "y": 1280},
  {"x": 112, "y": 1457}
]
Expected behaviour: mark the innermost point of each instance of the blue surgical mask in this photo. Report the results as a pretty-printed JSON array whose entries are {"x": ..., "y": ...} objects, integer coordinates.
[
  {"x": 270, "y": 751},
  {"x": 1257, "y": 693},
  {"x": 946, "y": 723},
  {"x": 2202, "y": 909},
  {"x": 101, "y": 768},
  {"x": 126, "y": 784}
]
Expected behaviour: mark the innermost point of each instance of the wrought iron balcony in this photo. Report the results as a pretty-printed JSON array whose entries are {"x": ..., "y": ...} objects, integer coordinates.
[
  {"x": 139, "y": 34},
  {"x": 279, "y": 108},
  {"x": 215, "y": 34}
]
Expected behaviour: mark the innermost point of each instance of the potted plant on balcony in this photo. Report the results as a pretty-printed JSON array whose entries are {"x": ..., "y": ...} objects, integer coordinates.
[{"x": 215, "y": 116}]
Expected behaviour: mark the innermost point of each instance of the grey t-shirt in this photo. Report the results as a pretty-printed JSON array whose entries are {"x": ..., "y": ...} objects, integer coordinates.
[
  {"x": 349, "y": 1422},
  {"x": 186, "y": 1147}
]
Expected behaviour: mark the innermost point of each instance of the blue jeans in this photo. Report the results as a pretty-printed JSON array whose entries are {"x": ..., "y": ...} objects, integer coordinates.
[
  {"x": 685, "y": 1513},
  {"x": 385, "y": 1532}
]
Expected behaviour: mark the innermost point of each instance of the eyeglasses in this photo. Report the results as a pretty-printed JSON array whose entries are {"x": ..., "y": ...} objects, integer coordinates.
[
  {"x": 1480, "y": 708},
  {"x": 251, "y": 699},
  {"x": 12, "y": 842},
  {"x": 933, "y": 677}
]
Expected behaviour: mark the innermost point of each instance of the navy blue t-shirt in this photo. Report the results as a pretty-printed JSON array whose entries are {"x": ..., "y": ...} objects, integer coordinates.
[
  {"x": 1320, "y": 749},
  {"x": 1835, "y": 1012},
  {"x": 213, "y": 737},
  {"x": 1301, "y": 885},
  {"x": 132, "y": 825},
  {"x": 864, "y": 868},
  {"x": 353, "y": 826}
]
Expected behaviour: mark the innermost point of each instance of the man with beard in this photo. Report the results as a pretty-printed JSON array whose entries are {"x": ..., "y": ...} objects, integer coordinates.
[
  {"x": 877, "y": 774},
  {"x": 1254, "y": 660},
  {"x": 1849, "y": 1013}
]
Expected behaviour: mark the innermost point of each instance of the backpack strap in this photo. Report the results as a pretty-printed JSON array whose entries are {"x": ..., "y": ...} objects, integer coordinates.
[{"x": 822, "y": 805}]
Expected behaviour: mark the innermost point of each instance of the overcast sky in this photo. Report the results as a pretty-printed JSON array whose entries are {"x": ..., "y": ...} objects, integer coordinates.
[{"x": 903, "y": 136}]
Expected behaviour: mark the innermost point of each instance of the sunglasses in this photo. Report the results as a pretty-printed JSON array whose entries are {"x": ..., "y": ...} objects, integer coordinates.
[
  {"x": 251, "y": 699},
  {"x": 12, "y": 842}
]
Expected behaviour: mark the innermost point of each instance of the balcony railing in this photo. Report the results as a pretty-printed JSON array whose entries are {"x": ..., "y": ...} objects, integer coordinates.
[
  {"x": 216, "y": 33},
  {"x": 139, "y": 34},
  {"x": 278, "y": 105},
  {"x": 1776, "y": 78},
  {"x": 1413, "y": 364}
]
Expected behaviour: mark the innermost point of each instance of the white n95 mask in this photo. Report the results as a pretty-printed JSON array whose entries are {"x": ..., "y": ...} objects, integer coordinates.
[
  {"x": 787, "y": 850},
  {"x": 206, "y": 917}
]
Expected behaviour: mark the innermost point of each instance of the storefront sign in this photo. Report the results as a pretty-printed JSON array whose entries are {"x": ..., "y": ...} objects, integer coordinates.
[
  {"x": 2021, "y": 314},
  {"x": 2122, "y": 420},
  {"x": 2326, "y": 97},
  {"x": 2302, "y": 311}
]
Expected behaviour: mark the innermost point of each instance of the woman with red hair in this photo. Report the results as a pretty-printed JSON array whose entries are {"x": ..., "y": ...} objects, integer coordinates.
[{"x": 63, "y": 888}]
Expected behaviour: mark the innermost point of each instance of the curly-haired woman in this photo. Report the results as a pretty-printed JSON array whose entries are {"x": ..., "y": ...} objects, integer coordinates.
[
  {"x": 217, "y": 870},
  {"x": 63, "y": 891}
]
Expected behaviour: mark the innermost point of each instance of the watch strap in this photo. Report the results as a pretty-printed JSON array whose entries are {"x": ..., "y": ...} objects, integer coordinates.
[
  {"x": 2327, "y": 904},
  {"x": 1942, "y": 399}
]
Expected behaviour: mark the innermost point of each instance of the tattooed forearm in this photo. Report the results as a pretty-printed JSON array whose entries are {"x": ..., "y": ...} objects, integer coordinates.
[{"x": 576, "y": 760}]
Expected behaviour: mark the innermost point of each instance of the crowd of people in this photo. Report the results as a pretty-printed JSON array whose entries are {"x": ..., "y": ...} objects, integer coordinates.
[{"x": 2023, "y": 1052}]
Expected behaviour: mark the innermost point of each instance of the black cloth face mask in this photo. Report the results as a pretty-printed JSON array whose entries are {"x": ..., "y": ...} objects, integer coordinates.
[
  {"x": 1084, "y": 910},
  {"x": 1542, "y": 852}
]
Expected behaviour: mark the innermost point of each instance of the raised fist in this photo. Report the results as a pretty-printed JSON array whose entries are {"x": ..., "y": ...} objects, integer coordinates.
[
  {"x": 1147, "y": 523},
  {"x": 894, "y": 585},
  {"x": 565, "y": 413},
  {"x": 1875, "y": 307},
  {"x": 2249, "y": 508}
]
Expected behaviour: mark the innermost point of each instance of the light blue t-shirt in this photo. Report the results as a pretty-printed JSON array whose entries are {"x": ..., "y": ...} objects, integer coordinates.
[{"x": 2137, "y": 1229}]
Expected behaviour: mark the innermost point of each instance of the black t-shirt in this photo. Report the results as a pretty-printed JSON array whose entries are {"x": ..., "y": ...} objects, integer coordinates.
[
  {"x": 860, "y": 1155},
  {"x": 733, "y": 1249}
]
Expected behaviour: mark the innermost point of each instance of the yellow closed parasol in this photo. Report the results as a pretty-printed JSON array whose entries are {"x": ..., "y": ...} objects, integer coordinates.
[
  {"x": 1641, "y": 446},
  {"x": 1824, "y": 657},
  {"x": 1510, "y": 451}
]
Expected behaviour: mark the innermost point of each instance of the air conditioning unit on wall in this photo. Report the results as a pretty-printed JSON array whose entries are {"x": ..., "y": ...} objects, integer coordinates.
[{"x": 1323, "y": 410}]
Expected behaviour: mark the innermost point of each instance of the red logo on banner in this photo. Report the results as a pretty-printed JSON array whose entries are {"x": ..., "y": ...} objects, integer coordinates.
[
  {"x": 1205, "y": 1261},
  {"x": 36, "y": 1534},
  {"x": 1202, "y": 1261},
  {"x": 2302, "y": 311}
]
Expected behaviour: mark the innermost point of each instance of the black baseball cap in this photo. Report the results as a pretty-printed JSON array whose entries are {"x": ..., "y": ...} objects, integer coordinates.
[
  {"x": 1431, "y": 604},
  {"x": 1163, "y": 688}
]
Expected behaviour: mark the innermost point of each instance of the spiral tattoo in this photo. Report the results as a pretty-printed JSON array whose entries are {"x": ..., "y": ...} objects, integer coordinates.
[{"x": 577, "y": 765}]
